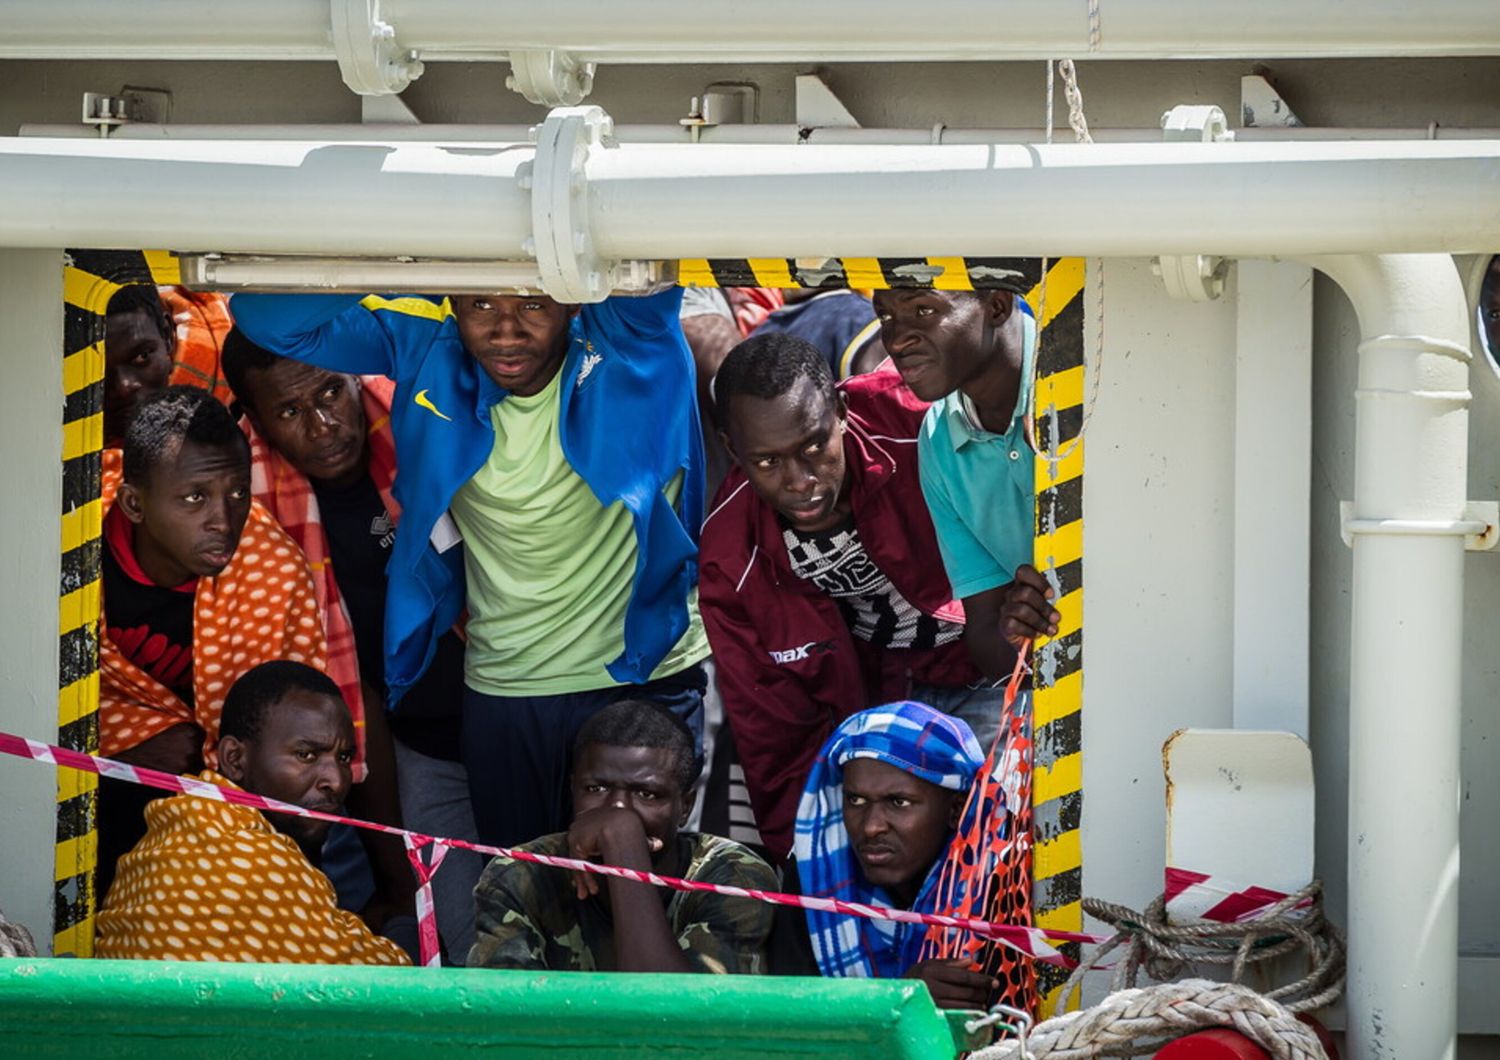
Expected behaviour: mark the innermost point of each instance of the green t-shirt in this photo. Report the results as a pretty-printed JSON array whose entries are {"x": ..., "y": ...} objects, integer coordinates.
[{"x": 549, "y": 569}]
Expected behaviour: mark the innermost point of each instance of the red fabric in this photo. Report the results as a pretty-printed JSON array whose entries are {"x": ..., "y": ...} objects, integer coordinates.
[
  {"x": 753, "y": 605},
  {"x": 118, "y": 536},
  {"x": 259, "y": 608},
  {"x": 1216, "y": 1044},
  {"x": 289, "y": 497},
  {"x": 751, "y": 306},
  {"x": 202, "y": 320},
  {"x": 1224, "y": 1044}
]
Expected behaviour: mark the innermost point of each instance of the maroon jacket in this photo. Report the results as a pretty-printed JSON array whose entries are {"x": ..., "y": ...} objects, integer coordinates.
[{"x": 786, "y": 664}]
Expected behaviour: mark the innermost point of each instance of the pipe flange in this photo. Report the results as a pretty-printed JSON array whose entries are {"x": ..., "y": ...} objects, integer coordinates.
[
  {"x": 570, "y": 268},
  {"x": 1479, "y": 527},
  {"x": 371, "y": 61},
  {"x": 1187, "y": 123},
  {"x": 1192, "y": 277},
  {"x": 551, "y": 78}
]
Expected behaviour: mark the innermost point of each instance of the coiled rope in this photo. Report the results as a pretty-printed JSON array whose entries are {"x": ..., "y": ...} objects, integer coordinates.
[
  {"x": 1135, "y": 1019},
  {"x": 1167, "y": 951},
  {"x": 1143, "y": 1019},
  {"x": 15, "y": 940}
]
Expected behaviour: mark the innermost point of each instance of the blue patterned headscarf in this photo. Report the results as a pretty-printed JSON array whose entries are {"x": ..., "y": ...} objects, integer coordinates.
[{"x": 918, "y": 740}]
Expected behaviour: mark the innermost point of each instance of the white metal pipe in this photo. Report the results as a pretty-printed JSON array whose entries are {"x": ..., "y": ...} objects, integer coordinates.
[
  {"x": 668, "y": 201},
  {"x": 784, "y": 30},
  {"x": 1410, "y": 492},
  {"x": 759, "y": 133},
  {"x": 401, "y": 133},
  {"x": 1235, "y": 200},
  {"x": 376, "y": 200}
]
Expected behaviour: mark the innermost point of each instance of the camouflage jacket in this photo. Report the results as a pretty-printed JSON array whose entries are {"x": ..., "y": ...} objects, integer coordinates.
[{"x": 529, "y": 917}]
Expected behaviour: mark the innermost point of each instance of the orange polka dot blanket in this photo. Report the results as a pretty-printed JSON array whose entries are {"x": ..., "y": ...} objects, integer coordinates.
[
  {"x": 259, "y": 608},
  {"x": 212, "y": 881}
]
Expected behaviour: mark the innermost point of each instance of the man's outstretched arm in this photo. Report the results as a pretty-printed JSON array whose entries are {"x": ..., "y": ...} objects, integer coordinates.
[{"x": 333, "y": 331}]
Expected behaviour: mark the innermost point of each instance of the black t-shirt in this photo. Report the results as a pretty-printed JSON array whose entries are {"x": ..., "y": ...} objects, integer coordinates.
[
  {"x": 360, "y": 534},
  {"x": 151, "y": 625}
]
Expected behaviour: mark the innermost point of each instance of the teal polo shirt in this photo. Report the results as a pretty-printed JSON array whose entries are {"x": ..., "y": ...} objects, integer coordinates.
[{"x": 980, "y": 486}]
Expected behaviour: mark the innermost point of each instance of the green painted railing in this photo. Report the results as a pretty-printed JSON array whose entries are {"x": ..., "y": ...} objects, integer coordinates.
[{"x": 165, "y": 1011}]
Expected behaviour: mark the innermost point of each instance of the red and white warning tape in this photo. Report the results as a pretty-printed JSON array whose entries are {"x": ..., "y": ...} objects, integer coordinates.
[
  {"x": 1199, "y": 896},
  {"x": 1033, "y": 942}
]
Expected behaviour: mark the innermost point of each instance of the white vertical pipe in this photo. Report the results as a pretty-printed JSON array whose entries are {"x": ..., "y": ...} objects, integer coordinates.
[
  {"x": 1411, "y": 454},
  {"x": 1272, "y": 473}
]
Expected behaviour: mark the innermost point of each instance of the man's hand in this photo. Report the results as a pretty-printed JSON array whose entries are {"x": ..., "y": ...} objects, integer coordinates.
[
  {"x": 953, "y": 985},
  {"x": 1000, "y": 620},
  {"x": 611, "y": 835},
  {"x": 176, "y": 750},
  {"x": 1025, "y": 609}
]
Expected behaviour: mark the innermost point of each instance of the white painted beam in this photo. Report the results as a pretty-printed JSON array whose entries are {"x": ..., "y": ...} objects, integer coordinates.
[{"x": 783, "y": 30}]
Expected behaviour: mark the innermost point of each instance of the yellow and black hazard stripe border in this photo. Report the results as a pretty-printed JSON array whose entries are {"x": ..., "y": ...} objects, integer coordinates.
[
  {"x": 1057, "y": 679},
  {"x": 939, "y": 273},
  {"x": 1057, "y": 706},
  {"x": 90, "y": 279}
]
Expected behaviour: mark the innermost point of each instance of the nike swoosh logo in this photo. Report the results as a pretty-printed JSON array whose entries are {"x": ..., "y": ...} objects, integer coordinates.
[{"x": 422, "y": 400}]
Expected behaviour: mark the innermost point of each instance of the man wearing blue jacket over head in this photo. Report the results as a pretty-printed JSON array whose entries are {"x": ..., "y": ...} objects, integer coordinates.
[{"x": 552, "y": 480}]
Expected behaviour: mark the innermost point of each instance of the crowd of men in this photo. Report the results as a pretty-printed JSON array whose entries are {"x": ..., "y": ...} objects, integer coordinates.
[{"x": 499, "y": 569}]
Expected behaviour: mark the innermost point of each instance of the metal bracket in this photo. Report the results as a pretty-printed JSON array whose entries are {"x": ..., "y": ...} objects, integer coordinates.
[
  {"x": 1195, "y": 124},
  {"x": 570, "y": 268},
  {"x": 386, "y": 110},
  {"x": 551, "y": 78},
  {"x": 1261, "y": 106},
  {"x": 1193, "y": 277},
  {"x": 819, "y": 108},
  {"x": 722, "y": 103},
  {"x": 105, "y": 111},
  {"x": 371, "y": 61},
  {"x": 1479, "y": 527}
]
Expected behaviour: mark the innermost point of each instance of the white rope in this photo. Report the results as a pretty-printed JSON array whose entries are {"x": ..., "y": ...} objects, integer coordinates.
[
  {"x": 1051, "y": 95},
  {"x": 1165, "y": 951},
  {"x": 1144, "y": 1019},
  {"x": 1079, "y": 123},
  {"x": 15, "y": 940},
  {"x": 1041, "y": 309}
]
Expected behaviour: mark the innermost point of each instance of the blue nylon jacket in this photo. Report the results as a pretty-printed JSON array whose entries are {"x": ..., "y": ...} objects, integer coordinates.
[{"x": 629, "y": 425}]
